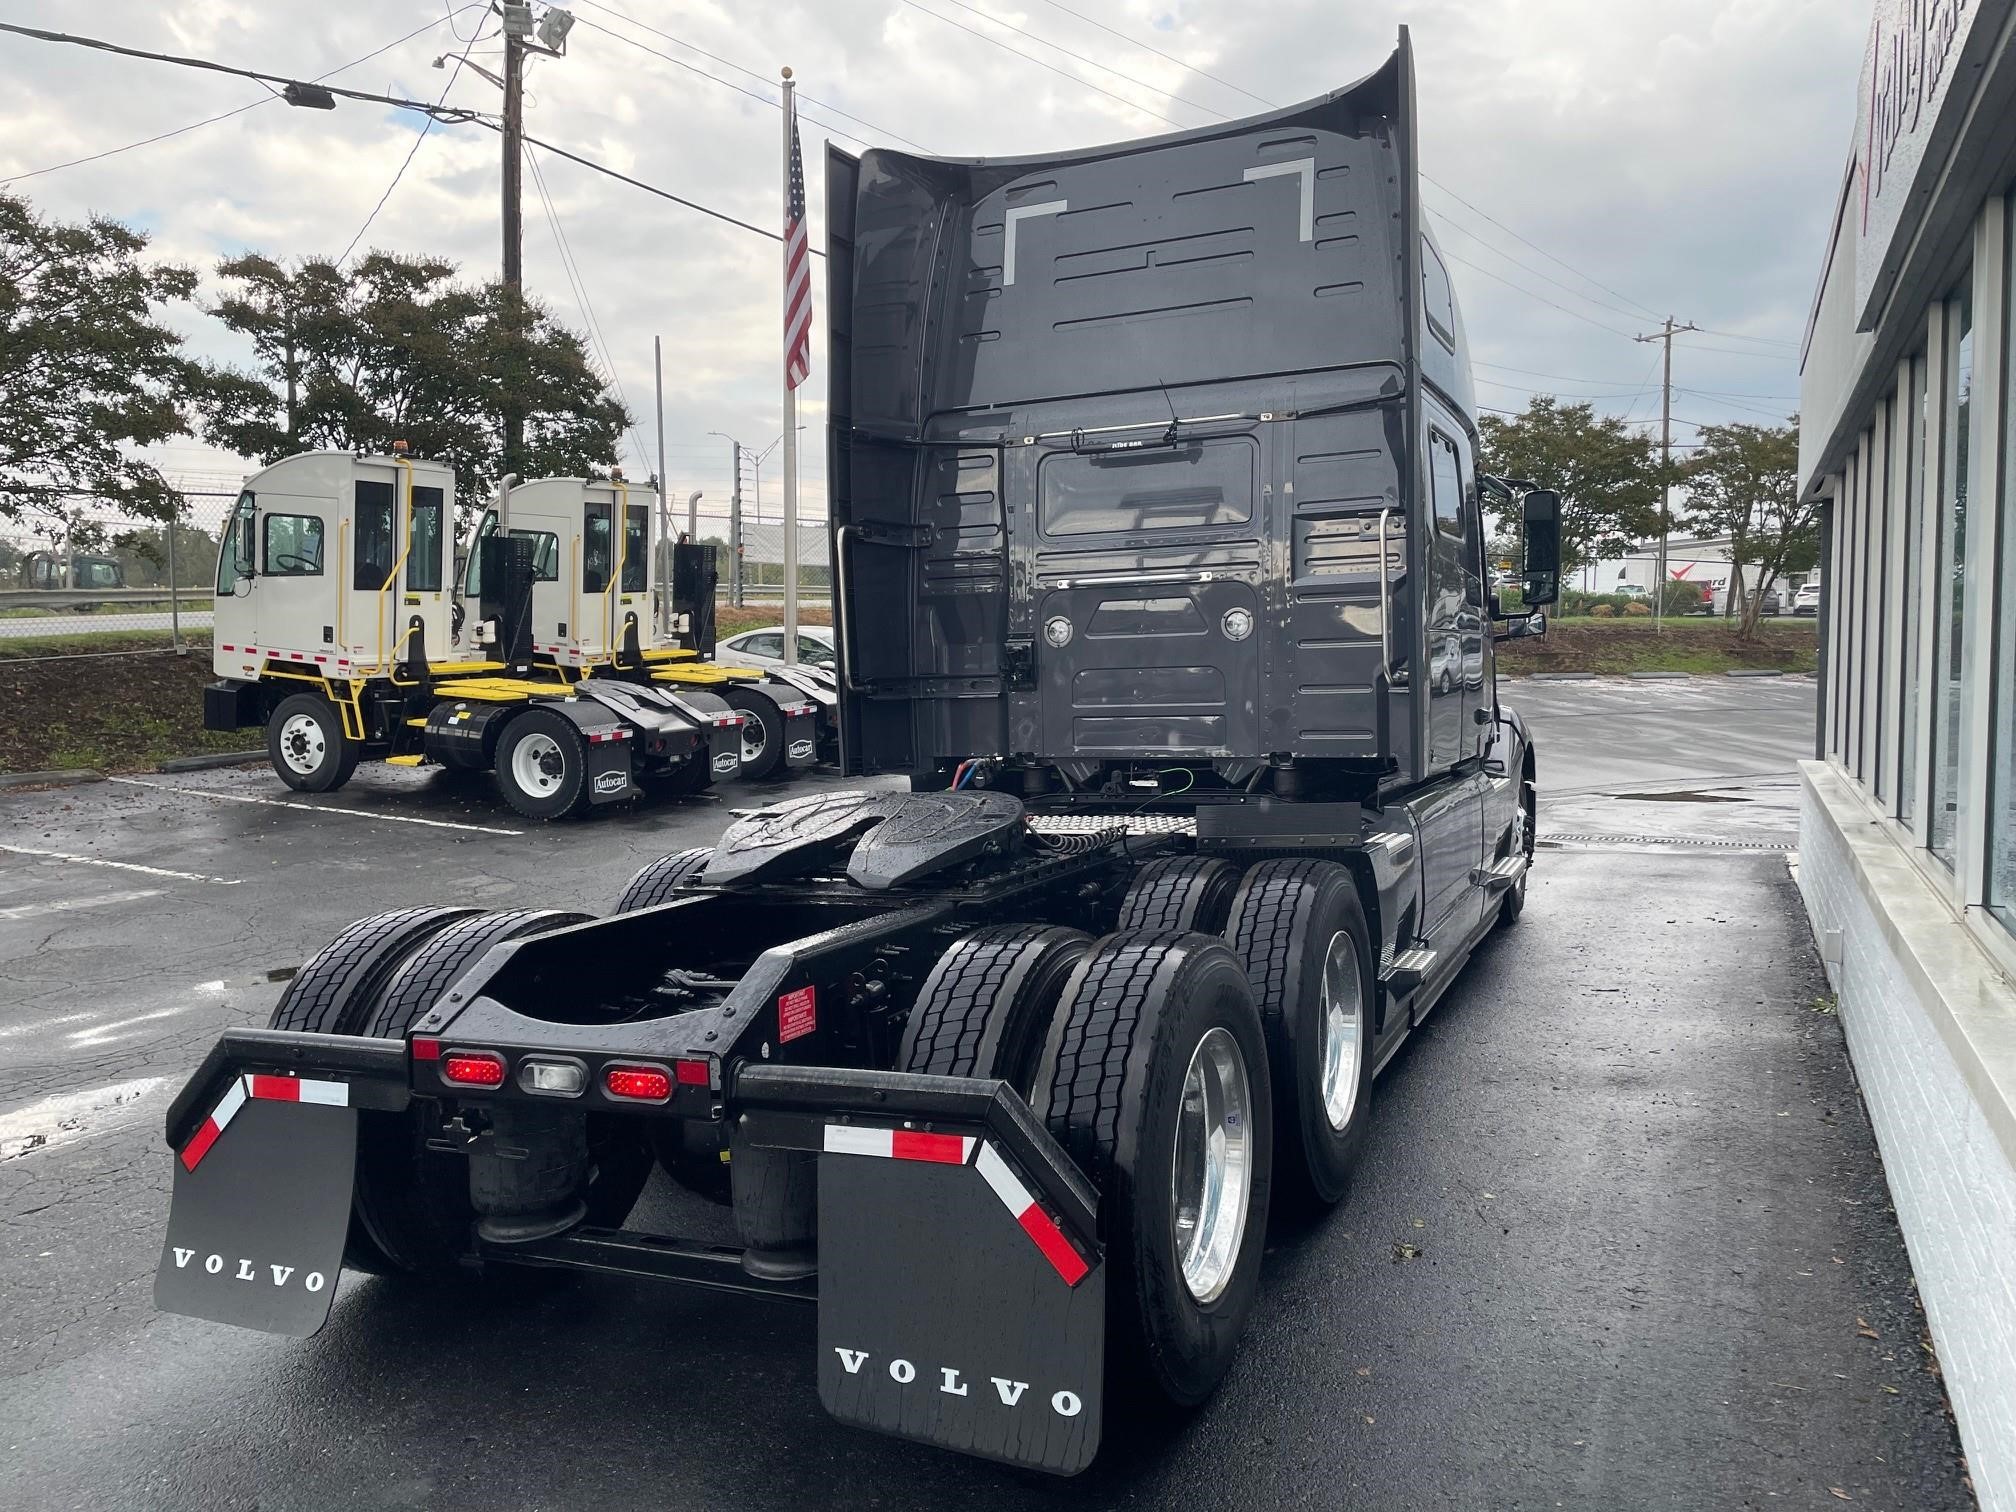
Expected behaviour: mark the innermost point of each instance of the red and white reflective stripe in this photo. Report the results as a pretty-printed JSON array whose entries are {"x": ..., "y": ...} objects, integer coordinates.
[
  {"x": 267, "y": 1088},
  {"x": 221, "y": 1115},
  {"x": 1037, "y": 1224},
  {"x": 899, "y": 1144},
  {"x": 299, "y": 1089}
]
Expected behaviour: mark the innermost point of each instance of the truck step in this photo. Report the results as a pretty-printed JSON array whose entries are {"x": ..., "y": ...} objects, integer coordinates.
[
  {"x": 408, "y": 761},
  {"x": 1498, "y": 878},
  {"x": 1410, "y": 968},
  {"x": 417, "y": 724}
]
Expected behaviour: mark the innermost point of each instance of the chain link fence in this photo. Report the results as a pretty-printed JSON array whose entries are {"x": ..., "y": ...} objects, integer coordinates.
[
  {"x": 79, "y": 577},
  {"x": 762, "y": 576}
]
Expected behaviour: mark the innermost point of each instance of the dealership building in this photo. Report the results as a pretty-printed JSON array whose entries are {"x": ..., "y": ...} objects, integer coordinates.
[{"x": 1907, "y": 843}]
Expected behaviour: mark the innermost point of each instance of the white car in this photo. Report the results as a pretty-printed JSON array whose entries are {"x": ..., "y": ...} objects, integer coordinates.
[
  {"x": 1807, "y": 599},
  {"x": 765, "y": 648}
]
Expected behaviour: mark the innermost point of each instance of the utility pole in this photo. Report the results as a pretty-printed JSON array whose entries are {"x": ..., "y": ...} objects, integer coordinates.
[
  {"x": 517, "y": 26},
  {"x": 735, "y": 528},
  {"x": 664, "y": 495},
  {"x": 1666, "y": 336}
]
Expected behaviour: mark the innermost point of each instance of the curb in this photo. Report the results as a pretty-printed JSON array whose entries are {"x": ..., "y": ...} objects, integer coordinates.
[
  {"x": 211, "y": 761},
  {"x": 1658, "y": 676},
  {"x": 1754, "y": 672},
  {"x": 67, "y": 777},
  {"x": 1560, "y": 677}
]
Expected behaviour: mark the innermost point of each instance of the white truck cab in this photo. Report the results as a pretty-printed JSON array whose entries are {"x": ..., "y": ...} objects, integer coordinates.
[
  {"x": 593, "y": 563},
  {"x": 338, "y": 562}
]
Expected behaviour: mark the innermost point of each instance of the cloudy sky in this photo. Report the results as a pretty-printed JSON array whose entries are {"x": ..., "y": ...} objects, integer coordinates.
[{"x": 1595, "y": 164}]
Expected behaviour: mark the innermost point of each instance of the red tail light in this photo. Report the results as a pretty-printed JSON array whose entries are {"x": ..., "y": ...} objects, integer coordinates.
[
  {"x": 693, "y": 1073},
  {"x": 638, "y": 1083},
  {"x": 473, "y": 1068}
]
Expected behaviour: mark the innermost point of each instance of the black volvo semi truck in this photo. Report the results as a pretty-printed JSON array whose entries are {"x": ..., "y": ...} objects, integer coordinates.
[{"x": 1163, "y": 601}]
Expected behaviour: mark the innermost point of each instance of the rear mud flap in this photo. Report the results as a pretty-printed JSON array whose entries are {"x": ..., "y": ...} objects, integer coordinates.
[
  {"x": 801, "y": 737},
  {"x": 954, "y": 1309},
  {"x": 261, "y": 1207}
]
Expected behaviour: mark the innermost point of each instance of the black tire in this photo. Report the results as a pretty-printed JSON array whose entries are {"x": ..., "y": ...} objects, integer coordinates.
[
  {"x": 986, "y": 1007},
  {"x": 1179, "y": 893},
  {"x": 1110, "y": 1087},
  {"x": 562, "y": 762},
  {"x": 657, "y": 881},
  {"x": 334, "y": 994},
  {"x": 1284, "y": 922},
  {"x": 411, "y": 1202},
  {"x": 766, "y": 724},
  {"x": 322, "y": 758}
]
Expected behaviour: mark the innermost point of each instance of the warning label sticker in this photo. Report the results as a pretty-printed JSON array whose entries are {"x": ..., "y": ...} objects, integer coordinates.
[{"x": 797, "y": 1014}]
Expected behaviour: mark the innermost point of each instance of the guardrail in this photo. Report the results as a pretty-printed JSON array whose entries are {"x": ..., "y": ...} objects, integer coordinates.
[{"x": 63, "y": 600}]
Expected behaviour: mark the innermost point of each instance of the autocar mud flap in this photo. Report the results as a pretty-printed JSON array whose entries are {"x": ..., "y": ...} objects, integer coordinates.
[
  {"x": 954, "y": 1308},
  {"x": 801, "y": 732},
  {"x": 261, "y": 1206}
]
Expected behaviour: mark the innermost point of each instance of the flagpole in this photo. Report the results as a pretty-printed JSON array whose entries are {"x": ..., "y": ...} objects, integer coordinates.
[{"x": 790, "y": 414}]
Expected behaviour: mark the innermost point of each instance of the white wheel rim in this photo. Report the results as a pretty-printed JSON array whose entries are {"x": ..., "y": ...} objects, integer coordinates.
[
  {"x": 753, "y": 740},
  {"x": 538, "y": 765},
  {"x": 1211, "y": 1174},
  {"x": 1343, "y": 1030},
  {"x": 302, "y": 744}
]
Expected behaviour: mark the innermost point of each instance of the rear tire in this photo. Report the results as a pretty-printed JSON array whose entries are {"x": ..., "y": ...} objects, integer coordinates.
[
  {"x": 1118, "y": 1076},
  {"x": 542, "y": 765},
  {"x": 986, "y": 1007},
  {"x": 1300, "y": 929},
  {"x": 1179, "y": 893},
  {"x": 762, "y": 736},
  {"x": 305, "y": 743},
  {"x": 334, "y": 994},
  {"x": 657, "y": 881},
  {"x": 1514, "y": 903},
  {"x": 412, "y": 1202}
]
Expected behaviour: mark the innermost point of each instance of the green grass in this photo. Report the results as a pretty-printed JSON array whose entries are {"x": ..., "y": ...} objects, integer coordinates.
[{"x": 1701, "y": 647}]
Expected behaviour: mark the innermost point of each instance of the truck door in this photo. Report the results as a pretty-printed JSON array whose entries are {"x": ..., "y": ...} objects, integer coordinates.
[
  {"x": 1140, "y": 651},
  {"x": 398, "y": 569}
]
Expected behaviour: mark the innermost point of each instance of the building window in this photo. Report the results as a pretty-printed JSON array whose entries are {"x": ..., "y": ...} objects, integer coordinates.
[
  {"x": 1949, "y": 583},
  {"x": 1877, "y": 604},
  {"x": 1912, "y": 432}
]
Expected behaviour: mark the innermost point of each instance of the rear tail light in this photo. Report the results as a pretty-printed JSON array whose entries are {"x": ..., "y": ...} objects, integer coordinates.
[
  {"x": 638, "y": 1083},
  {"x": 473, "y": 1068},
  {"x": 693, "y": 1073}
]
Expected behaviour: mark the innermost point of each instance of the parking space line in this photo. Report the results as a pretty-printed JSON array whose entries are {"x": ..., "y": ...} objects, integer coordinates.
[
  {"x": 132, "y": 866},
  {"x": 98, "y": 1034},
  {"x": 314, "y": 808},
  {"x": 64, "y": 905}
]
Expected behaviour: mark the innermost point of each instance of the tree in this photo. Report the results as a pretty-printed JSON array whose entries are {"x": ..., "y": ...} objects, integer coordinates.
[
  {"x": 396, "y": 349},
  {"x": 1744, "y": 483},
  {"x": 1609, "y": 478},
  {"x": 87, "y": 370}
]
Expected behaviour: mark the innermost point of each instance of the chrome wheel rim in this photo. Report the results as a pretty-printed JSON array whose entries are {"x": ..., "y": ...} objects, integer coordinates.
[
  {"x": 1343, "y": 1030},
  {"x": 753, "y": 740},
  {"x": 537, "y": 765},
  {"x": 1211, "y": 1180},
  {"x": 302, "y": 745}
]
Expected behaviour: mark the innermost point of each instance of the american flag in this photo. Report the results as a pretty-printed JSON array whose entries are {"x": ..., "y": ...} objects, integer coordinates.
[{"x": 797, "y": 273}]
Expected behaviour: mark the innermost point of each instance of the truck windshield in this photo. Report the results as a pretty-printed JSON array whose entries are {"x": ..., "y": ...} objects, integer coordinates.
[
  {"x": 545, "y": 555},
  {"x": 1197, "y": 484}
]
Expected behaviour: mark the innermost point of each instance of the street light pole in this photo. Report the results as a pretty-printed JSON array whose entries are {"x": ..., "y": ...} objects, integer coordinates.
[{"x": 514, "y": 235}]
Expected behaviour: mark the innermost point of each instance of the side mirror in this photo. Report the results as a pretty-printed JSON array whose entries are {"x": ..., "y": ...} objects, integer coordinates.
[
  {"x": 1522, "y": 628},
  {"x": 1541, "y": 567}
]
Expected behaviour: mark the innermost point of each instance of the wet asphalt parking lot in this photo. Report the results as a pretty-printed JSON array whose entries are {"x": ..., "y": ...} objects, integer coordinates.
[{"x": 1620, "y": 1239}]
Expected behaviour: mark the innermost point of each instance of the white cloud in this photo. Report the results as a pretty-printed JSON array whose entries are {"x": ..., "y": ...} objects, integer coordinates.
[{"x": 1684, "y": 153}]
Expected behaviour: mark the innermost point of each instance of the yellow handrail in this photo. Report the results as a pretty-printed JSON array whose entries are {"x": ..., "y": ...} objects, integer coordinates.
[
  {"x": 574, "y": 591},
  {"x": 342, "y": 582},
  {"x": 619, "y": 550},
  {"x": 405, "y": 466}
]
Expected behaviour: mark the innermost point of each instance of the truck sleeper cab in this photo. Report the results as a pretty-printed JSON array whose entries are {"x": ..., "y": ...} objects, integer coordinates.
[
  {"x": 336, "y": 629},
  {"x": 595, "y": 582},
  {"x": 1002, "y": 1071}
]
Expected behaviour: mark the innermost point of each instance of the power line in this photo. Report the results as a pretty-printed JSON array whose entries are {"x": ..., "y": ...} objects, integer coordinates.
[
  {"x": 254, "y": 74},
  {"x": 572, "y": 268},
  {"x": 804, "y": 98},
  {"x": 225, "y": 115},
  {"x": 1052, "y": 67},
  {"x": 1102, "y": 67},
  {"x": 1498, "y": 251},
  {"x": 1136, "y": 41},
  {"x": 1776, "y": 341},
  {"x": 412, "y": 151},
  {"x": 1542, "y": 298}
]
